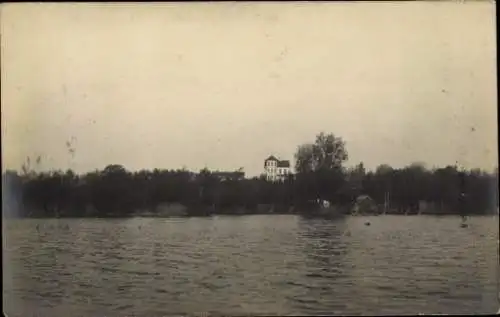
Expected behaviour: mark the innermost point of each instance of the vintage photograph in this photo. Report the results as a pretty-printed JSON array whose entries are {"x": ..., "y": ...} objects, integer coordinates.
[{"x": 249, "y": 158}]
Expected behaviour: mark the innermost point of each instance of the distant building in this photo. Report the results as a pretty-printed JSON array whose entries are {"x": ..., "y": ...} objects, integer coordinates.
[
  {"x": 227, "y": 176},
  {"x": 275, "y": 169}
]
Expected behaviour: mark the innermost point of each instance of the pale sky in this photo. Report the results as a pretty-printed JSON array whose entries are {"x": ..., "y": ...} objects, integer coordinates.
[{"x": 224, "y": 85}]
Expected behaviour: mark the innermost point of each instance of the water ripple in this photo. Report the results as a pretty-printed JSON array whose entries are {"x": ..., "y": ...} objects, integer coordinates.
[{"x": 255, "y": 265}]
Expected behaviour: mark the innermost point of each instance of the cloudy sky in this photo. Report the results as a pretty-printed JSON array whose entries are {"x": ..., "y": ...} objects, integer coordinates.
[{"x": 224, "y": 85}]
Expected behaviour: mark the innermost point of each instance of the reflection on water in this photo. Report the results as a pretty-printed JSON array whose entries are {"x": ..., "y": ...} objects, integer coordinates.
[
  {"x": 324, "y": 269},
  {"x": 282, "y": 265}
]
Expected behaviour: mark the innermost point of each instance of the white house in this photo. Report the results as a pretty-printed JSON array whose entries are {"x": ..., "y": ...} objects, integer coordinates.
[{"x": 276, "y": 170}]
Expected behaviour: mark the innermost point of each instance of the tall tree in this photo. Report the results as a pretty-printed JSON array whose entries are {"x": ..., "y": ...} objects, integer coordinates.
[
  {"x": 319, "y": 166},
  {"x": 328, "y": 152}
]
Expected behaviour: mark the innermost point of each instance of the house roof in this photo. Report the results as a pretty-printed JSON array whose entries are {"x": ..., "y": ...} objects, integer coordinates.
[
  {"x": 283, "y": 163},
  {"x": 271, "y": 158},
  {"x": 228, "y": 174}
]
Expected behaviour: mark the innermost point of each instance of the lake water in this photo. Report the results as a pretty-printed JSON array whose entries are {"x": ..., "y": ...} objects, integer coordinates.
[{"x": 274, "y": 265}]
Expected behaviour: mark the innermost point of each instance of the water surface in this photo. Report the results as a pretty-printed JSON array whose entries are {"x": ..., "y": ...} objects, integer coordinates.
[{"x": 270, "y": 264}]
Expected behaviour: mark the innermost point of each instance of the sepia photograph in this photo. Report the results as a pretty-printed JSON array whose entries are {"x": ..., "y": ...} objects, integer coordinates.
[{"x": 249, "y": 158}]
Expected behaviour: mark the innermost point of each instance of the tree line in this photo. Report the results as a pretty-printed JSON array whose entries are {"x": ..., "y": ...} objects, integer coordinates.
[{"x": 320, "y": 174}]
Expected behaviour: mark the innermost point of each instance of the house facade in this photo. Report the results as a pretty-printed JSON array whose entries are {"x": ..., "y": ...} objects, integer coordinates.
[{"x": 275, "y": 169}]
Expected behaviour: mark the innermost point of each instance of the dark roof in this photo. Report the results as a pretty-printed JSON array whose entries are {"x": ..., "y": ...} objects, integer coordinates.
[
  {"x": 280, "y": 163},
  {"x": 283, "y": 163},
  {"x": 271, "y": 158},
  {"x": 228, "y": 174}
]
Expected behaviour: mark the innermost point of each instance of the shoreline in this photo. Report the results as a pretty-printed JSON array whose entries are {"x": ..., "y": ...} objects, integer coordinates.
[
  {"x": 178, "y": 210},
  {"x": 306, "y": 215}
]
